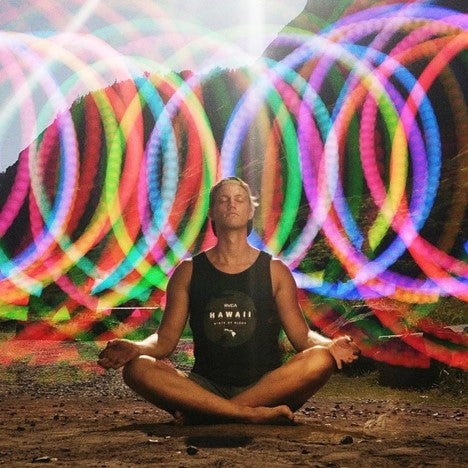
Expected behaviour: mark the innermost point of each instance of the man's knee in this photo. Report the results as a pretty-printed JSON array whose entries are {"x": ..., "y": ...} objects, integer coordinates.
[
  {"x": 136, "y": 369},
  {"x": 318, "y": 363}
]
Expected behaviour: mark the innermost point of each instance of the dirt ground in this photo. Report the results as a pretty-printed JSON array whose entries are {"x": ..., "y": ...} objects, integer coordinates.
[{"x": 56, "y": 415}]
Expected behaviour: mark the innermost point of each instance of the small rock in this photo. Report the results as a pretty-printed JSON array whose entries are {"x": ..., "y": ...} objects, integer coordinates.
[
  {"x": 346, "y": 440},
  {"x": 153, "y": 441},
  {"x": 20, "y": 428},
  {"x": 41, "y": 459},
  {"x": 378, "y": 423},
  {"x": 305, "y": 451},
  {"x": 192, "y": 450}
]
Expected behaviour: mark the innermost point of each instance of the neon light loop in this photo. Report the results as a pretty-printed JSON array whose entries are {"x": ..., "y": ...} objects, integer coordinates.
[
  {"x": 160, "y": 201},
  {"x": 61, "y": 206},
  {"x": 152, "y": 185},
  {"x": 243, "y": 117}
]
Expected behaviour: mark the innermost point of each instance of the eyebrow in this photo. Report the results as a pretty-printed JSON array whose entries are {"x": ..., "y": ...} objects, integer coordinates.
[{"x": 237, "y": 195}]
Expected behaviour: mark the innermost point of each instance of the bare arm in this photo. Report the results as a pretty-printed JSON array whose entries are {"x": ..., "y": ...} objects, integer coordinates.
[
  {"x": 294, "y": 323},
  {"x": 163, "y": 342}
]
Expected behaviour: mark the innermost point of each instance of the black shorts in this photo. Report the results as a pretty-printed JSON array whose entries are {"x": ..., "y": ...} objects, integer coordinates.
[{"x": 223, "y": 390}]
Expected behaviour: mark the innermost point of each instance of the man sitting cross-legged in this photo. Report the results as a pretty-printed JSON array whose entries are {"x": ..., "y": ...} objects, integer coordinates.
[{"x": 237, "y": 299}]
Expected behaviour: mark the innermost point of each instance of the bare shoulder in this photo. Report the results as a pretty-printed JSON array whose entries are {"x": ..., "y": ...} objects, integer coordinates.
[
  {"x": 184, "y": 266},
  {"x": 182, "y": 274},
  {"x": 279, "y": 268},
  {"x": 281, "y": 275}
]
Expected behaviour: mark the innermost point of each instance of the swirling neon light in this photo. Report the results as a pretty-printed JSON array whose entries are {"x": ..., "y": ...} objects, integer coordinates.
[{"x": 354, "y": 135}]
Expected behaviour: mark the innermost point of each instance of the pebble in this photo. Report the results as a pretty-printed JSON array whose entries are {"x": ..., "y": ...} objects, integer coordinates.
[
  {"x": 347, "y": 439},
  {"x": 44, "y": 459},
  {"x": 192, "y": 450}
]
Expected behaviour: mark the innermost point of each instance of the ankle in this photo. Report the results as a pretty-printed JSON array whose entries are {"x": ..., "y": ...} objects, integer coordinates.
[{"x": 248, "y": 413}]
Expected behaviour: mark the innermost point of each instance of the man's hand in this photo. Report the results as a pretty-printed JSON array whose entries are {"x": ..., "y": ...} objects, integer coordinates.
[
  {"x": 117, "y": 353},
  {"x": 343, "y": 350}
]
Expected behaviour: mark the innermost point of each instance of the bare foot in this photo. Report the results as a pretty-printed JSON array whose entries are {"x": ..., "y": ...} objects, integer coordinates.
[
  {"x": 179, "y": 418},
  {"x": 276, "y": 415},
  {"x": 260, "y": 415}
]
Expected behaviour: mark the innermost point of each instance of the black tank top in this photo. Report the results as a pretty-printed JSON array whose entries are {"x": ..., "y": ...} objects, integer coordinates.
[{"x": 234, "y": 322}]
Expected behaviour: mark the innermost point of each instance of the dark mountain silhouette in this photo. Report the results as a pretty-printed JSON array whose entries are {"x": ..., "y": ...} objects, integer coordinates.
[{"x": 219, "y": 95}]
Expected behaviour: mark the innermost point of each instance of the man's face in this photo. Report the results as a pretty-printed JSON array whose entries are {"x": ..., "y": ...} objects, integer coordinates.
[{"x": 232, "y": 207}]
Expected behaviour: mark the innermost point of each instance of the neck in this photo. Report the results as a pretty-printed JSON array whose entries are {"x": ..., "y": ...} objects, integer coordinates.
[{"x": 232, "y": 247}]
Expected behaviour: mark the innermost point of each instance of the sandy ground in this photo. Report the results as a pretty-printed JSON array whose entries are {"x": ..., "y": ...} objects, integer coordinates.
[{"x": 60, "y": 416}]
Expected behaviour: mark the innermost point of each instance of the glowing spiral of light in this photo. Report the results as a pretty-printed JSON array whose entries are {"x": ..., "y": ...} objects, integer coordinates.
[{"x": 341, "y": 137}]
